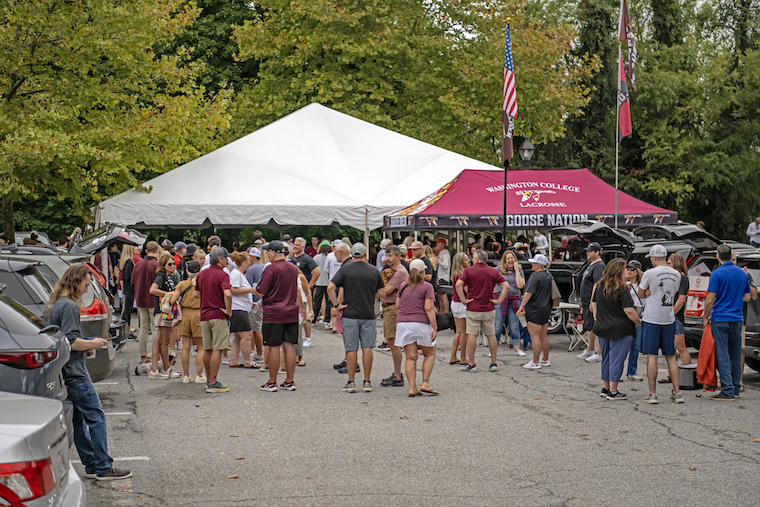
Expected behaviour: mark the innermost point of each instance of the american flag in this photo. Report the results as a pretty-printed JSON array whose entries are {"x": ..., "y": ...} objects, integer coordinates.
[{"x": 509, "y": 104}]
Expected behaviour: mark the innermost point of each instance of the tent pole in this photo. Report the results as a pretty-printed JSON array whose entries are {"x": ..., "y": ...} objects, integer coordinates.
[
  {"x": 459, "y": 243},
  {"x": 504, "y": 223},
  {"x": 366, "y": 229}
]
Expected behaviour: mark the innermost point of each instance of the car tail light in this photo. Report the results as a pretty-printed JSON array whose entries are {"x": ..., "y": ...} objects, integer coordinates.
[
  {"x": 28, "y": 360},
  {"x": 98, "y": 274},
  {"x": 20, "y": 482},
  {"x": 95, "y": 311}
]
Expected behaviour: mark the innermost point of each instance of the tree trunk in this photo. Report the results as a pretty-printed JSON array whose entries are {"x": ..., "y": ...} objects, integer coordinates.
[{"x": 8, "y": 224}]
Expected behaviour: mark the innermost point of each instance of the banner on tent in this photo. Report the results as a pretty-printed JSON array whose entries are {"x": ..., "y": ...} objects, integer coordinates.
[{"x": 539, "y": 221}]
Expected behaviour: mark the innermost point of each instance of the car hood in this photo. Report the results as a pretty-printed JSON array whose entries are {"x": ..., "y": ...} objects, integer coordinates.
[{"x": 586, "y": 232}]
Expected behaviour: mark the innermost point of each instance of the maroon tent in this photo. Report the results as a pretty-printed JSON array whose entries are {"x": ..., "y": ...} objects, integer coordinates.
[{"x": 535, "y": 199}]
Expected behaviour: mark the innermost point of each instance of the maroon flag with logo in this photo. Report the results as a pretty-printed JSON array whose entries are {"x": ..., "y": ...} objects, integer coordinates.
[
  {"x": 509, "y": 102},
  {"x": 624, "y": 106},
  {"x": 625, "y": 34}
]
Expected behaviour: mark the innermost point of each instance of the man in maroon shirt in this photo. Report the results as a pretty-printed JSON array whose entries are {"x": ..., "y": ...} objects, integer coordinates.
[
  {"x": 480, "y": 279},
  {"x": 213, "y": 287},
  {"x": 143, "y": 275},
  {"x": 279, "y": 287}
]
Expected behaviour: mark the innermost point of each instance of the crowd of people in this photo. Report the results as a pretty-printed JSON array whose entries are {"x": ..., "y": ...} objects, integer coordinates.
[{"x": 255, "y": 307}]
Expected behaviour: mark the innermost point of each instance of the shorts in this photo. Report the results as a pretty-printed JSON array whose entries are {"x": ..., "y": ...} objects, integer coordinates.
[
  {"x": 359, "y": 332},
  {"x": 485, "y": 322},
  {"x": 656, "y": 337},
  {"x": 257, "y": 317},
  {"x": 159, "y": 322},
  {"x": 679, "y": 326},
  {"x": 443, "y": 289},
  {"x": 277, "y": 334},
  {"x": 216, "y": 334},
  {"x": 240, "y": 322},
  {"x": 414, "y": 332},
  {"x": 190, "y": 325},
  {"x": 588, "y": 320},
  {"x": 389, "y": 321},
  {"x": 459, "y": 310}
]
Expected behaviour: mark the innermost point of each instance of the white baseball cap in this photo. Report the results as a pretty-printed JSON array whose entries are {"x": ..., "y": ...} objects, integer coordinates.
[
  {"x": 658, "y": 251},
  {"x": 539, "y": 259}
]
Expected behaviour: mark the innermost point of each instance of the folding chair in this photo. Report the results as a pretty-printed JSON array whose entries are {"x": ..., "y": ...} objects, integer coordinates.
[{"x": 574, "y": 329}]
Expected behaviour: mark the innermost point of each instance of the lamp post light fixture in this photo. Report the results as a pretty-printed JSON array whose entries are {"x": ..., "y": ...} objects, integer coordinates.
[{"x": 526, "y": 151}]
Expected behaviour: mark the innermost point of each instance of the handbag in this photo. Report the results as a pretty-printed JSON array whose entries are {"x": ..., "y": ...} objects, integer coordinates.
[{"x": 170, "y": 313}]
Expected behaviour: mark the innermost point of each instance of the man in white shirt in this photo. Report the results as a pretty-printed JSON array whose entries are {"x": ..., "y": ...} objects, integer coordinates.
[
  {"x": 753, "y": 231},
  {"x": 542, "y": 244},
  {"x": 444, "y": 272},
  {"x": 332, "y": 265},
  {"x": 658, "y": 329}
]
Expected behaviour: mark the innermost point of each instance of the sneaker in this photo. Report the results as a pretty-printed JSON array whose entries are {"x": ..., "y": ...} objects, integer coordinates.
[
  {"x": 532, "y": 366},
  {"x": 174, "y": 374},
  {"x": 269, "y": 386},
  {"x": 720, "y": 397},
  {"x": 288, "y": 386},
  {"x": 200, "y": 380},
  {"x": 264, "y": 367},
  {"x": 350, "y": 387},
  {"x": 741, "y": 388},
  {"x": 367, "y": 386},
  {"x": 392, "y": 381},
  {"x": 605, "y": 392},
  {"x": 340, "y": 365},
  {"x": 328, "y": 326},
  {"x": 158, "y": 375},
  {"x": 676, "y": 397},
  {"x": 493, "y": 367},
  {"x": 384, "y": 346},
  {"x": 225, "y": 361},
  {"x": 282, "y": 370},
  {"x": 594, "y": 358},
  {"x": 113, "y": 475},
  {"x": 307, "y": 343},
  {"x": 617, "y": 395},
  {"x": 586, "y": 353},
  {"x": 132, "y": 337},
  {"x": 469, "y": 368},
  {"x": 216, "y": 388},
  {"x": 256, "y": 357},
  {"x": 651, "y": 399},
  {"x": 90, "y": 475},
  {"x": 635, "y": 378},
  {"x": 519, "y": 352},
  {"x": 186, "y": 379},
  {"x": 544, "y": 363},
  {"x": 345, "y": 369}
]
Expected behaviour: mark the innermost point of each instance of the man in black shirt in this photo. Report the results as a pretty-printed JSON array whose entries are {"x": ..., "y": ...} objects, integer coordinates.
[
  {"x": 361, "y": 284},
  {"x": 310, "y": 270},
  {"x": 591, "y": 275}
]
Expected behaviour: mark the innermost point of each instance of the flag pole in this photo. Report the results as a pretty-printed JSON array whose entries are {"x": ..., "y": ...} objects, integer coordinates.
[
  {"x": 504, "y": 223},
  {"x": 617, "y": 135}
]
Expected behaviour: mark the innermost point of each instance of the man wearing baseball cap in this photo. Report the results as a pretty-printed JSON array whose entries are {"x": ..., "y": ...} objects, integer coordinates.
[
  {"x": 444, "y": 272},
  {"x": 418, "y": 252},
  {"x": 658, "y": 329},
  {"x": 253, "y": 275},
  {"x": 380, "y": 263},
  {"x": 591, "y": 275},
  {"x": 361, "y": 284}
]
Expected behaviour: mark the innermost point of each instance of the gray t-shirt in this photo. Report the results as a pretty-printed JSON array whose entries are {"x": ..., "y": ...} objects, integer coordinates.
[
  {"x": 65, "y": 315},
  {"x": 510, "y": 278},
  {"x": 253, "y": 275}
]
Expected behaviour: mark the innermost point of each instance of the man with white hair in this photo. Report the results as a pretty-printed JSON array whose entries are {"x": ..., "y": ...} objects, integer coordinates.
[
  {"x": 380, "y": 263},
  {"x": 562, "y": 254},
  {"x": 332, "y": 265}
]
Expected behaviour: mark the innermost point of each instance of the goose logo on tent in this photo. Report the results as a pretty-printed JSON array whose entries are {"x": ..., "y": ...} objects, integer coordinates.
[
  {"x": 658, "y": 218},
  {"x": 492, "y": 220},
  {"x": 629, "y": 219},
  {"x": 603, "y": 218},
  {"x": 462, "y": 220},
  {"x": 535, "y": 194},
  {"x": 431, "y": 221}
]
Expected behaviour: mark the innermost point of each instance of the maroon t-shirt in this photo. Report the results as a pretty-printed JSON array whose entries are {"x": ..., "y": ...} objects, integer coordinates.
[
  {"x": 279, "y": 286},
  {"x": 143, "y": 275},
  {"x": 211, "y": 284},
  {"x": 480, "y": 279},
  {"x": 411, "y": 307}
]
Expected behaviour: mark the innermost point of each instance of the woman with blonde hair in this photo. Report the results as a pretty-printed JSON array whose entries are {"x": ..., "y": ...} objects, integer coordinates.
[
  {"x": 459, "y": 311},
  {"x": 513, "y": 274},
  {"x": 240, "y": 321},
  {"x": 126, "y": 265},
  {"x": 162, "y": 286}
]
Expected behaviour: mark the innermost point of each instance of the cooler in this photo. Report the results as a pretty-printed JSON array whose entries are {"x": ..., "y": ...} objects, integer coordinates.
[{"x": 687, "y": 377}]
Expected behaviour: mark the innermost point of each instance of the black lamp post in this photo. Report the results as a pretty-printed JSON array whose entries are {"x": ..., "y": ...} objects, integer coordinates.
[{"x": 526, "y": 150}]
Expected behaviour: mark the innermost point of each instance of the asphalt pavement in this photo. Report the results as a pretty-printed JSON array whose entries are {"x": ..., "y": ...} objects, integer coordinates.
[{"x": 513, "y": 437}]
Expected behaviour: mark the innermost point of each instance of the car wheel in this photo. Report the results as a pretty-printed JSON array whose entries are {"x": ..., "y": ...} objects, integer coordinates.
[
  {"x": 556, "y": 321},
  {"x": 752, "y": 363}
]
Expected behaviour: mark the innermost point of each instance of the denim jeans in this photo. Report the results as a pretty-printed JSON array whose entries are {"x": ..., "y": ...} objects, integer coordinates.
[
  {"x": 513, "y": 323},
  {"x": 728, "y": 355},
  {"x": 613, "y": 356},
  {"x": 633, "y": 354},
  {"x": 89, "y": 427},
  {"x": 499, "y": 325}
]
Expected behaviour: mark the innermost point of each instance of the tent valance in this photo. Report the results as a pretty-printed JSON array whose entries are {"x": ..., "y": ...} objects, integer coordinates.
[{"x": 535, "y": 199}]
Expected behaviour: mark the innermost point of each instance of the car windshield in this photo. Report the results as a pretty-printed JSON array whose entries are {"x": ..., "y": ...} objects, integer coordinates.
[{"x": 16, "y": 319}]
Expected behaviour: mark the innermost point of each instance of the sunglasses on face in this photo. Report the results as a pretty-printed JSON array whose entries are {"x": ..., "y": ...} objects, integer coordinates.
[{"x": 170, "y": 264}]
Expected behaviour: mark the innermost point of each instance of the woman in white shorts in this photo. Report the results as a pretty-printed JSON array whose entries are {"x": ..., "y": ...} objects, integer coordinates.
[
  {"x": 416, "y": 327},
  {"x": 459, "y": 310}
]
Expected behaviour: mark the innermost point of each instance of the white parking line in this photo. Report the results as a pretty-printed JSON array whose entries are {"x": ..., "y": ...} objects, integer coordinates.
[
  {"x": 126, "y": 458},
  {"x": 106, "y": 384},
  {"x": 118, "y": 413}
]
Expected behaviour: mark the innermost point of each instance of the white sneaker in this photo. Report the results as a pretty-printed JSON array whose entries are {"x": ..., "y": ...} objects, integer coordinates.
[
  {"x": 586, "y": 353},
  {"x": 158, "y": 375},
  {"x": 519, "y": 352},
  {"x": 186, "y": 379},
  {"x": 307, "y": 343},
  {"x": 594, "y": 358},
  {"x": 532, "y": 366},
  {"x": 200, "y": 380},
  {"x": 634, "y": 378},
  {"x": 174, "y": 374},
  {"x": 544, "y": 363},
  {"x": 328, "y": 326},
  {"x": 225, "y": 361},
  {"x": 256, "y": 357}
]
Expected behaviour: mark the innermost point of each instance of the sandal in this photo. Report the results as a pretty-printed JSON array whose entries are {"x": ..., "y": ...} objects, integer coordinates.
[
  {"x": 415, "y": 394},
  {"x": 665, "y": 380},
  {"x": 431, "y": 391},
  {"x": 301, "y": 362},
  {"x": 254, "y": 366},
  {"x": 240, "y": 365},
  {"x": 454, "y": 361}
]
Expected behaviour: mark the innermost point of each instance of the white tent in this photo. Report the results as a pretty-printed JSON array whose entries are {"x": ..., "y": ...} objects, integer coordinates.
[{"x": 315, "y": 166}]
